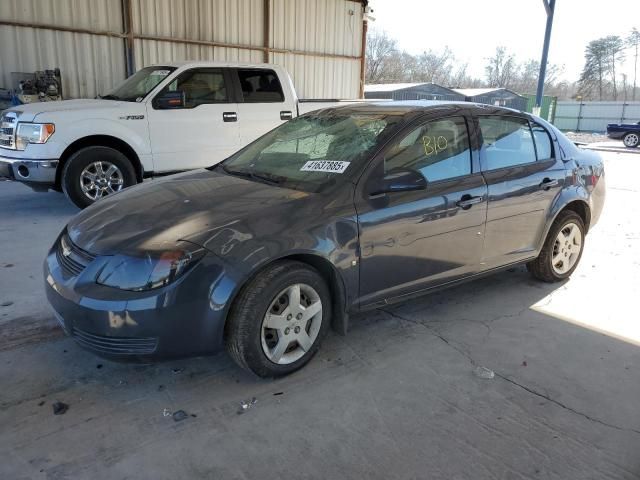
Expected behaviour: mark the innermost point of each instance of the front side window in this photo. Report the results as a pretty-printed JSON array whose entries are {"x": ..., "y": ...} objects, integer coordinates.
[
  {"x": 140, "y": 84},
  {"x": 200, "y": 86},
  {"x": 312, "y": 151},
  {"x": 543, "y": 142},
  {"x": 507, "y": 142},
  {"x": 260, "y": 86},
  {"x": 439, "y": 150}
]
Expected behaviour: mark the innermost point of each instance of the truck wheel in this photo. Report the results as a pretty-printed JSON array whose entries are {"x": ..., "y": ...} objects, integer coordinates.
[
  {"x": 631, "y": 140},
  {"x": 94, "y": 172},
  {"x": 562, "y": 249},
  {"x": 279, "y": 319}
]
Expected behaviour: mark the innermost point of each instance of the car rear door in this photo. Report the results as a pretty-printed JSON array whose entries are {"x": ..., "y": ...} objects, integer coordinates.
[
  {"x": 524, "y": 176},
  {"x": 202, "y": 132},
  {"x": 412, "y": 240},
  {"x": 263, "y": 104}
]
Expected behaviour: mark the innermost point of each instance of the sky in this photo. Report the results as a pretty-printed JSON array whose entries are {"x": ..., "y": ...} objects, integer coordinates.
[{"x": 474, "y": 28}]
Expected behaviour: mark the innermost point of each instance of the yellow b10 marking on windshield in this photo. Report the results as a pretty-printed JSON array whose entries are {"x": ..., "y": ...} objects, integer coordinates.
[{"x": 434, "y": 145}]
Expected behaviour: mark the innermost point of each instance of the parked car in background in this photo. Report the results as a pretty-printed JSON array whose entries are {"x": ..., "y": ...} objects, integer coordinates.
[
  {"x": 336, "y": 212},
  {"x": 629, "y": 133},
  {"x": 163, "y": 119}
]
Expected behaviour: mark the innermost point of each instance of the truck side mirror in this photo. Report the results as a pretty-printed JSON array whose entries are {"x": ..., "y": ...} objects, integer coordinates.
[{"x": 169, "y": 100}]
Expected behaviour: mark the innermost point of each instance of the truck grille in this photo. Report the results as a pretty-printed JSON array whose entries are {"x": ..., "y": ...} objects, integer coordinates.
[
  {"x": 8, "y": 123},
  {"x": 115, "y": 345},
  {"x": 72, "y": 259}
]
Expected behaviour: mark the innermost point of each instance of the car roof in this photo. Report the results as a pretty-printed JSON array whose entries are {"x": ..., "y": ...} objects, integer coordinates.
[{"x": 423, "y": 106}]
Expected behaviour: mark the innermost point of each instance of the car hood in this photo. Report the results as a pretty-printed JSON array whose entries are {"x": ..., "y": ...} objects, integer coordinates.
[
  {"x": 204, "y": 207},
  {"x": 29, "y": 111}
]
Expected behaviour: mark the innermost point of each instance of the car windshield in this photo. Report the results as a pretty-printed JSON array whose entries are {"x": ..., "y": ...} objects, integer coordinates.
[
  {"x": 312, "y": 151},
  {"x": 140, "y": 84}
]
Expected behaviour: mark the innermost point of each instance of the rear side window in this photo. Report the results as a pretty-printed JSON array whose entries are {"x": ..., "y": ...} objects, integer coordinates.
[
  {"x": 260, "y": 86},
  {"x": 543, "y": 142},
  {"x": 438, "y": 149},
  {"x": 507, "y": 142}
]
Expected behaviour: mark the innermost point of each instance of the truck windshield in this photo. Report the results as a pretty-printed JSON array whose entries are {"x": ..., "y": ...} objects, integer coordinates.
[
  {"x": 312, "y": 151},
  {"x": 140, "y": 84}
]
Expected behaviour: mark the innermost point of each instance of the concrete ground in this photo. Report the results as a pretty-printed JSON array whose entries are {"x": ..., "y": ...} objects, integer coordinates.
[{"x": 402, "y": 396}]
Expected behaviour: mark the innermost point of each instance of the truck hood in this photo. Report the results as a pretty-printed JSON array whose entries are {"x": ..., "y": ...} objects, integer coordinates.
[
  {"x": 28, "y": 112},
  {"x": 204, "y": 207}
]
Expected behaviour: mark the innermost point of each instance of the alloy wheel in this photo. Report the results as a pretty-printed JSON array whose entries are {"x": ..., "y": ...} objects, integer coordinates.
[
  {"x": 99, "y": 179},
  {"x": 631, "y": 140}
]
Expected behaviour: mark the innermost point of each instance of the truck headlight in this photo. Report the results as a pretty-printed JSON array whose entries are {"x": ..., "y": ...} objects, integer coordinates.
[
  {"x": 148, "y": 272},
  {"x": 33, "y": 133}
]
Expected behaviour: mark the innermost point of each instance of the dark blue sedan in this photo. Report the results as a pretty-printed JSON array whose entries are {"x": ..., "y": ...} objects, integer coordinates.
[
  {"x": 629, "y": 133},
  {"x": 334, "y": 213}
]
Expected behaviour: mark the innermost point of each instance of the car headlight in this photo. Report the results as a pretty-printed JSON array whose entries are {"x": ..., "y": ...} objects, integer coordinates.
[
  {"x": 153, "y": 270},
  {"x": 33, "y": 133}
]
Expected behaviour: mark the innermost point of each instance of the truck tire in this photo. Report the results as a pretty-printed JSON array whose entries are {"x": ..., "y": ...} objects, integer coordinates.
[
  {"x": 94, "y": 172},
  {"x": 631, "y": 139}
]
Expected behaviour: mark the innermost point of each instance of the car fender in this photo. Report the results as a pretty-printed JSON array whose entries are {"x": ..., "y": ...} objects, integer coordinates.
[
  {"x": 137, "y": 138},
  {"x": 573, "y": 193}
]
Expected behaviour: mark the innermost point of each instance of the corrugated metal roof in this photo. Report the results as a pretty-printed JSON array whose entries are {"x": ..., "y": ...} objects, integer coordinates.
[
  {"x": 390, "y": 87},
  {"x": 475, "y": 92}
]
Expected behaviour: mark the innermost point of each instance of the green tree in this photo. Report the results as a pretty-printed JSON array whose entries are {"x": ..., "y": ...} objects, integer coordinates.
[{"x": 596, "y": 67}]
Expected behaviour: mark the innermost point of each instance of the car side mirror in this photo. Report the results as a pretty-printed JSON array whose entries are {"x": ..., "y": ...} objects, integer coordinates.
[
  {"x": 169, "y": 100},
  {"x": 400, "y": 180}
]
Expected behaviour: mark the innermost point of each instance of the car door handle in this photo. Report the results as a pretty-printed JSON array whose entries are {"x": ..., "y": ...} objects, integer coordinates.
[
  {"x": 286, "y": 115},
  {"x": 229, "y": 117},
  {"x": 547, "y": 183},
  {"x": 467, "y": 201}
]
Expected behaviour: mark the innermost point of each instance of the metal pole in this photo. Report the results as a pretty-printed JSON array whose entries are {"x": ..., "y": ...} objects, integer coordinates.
[
  {"x": 549, "y": 6},
  {"x": 128, "y": 41}
]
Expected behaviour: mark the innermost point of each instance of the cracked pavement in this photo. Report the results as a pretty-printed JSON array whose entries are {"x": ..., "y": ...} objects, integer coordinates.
[{"x": 396, "y": 398}]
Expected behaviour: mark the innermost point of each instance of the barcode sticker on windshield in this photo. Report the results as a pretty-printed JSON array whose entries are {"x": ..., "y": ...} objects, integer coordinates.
[
  {"x": 162, "y": 73},
  {"x": 329, "y": 166}
]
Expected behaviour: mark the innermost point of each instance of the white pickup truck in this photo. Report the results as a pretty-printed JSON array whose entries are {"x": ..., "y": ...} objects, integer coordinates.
[{"x": 164, "y": 119}]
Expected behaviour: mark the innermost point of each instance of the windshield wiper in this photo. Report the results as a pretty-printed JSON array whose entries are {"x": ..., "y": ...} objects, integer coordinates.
[
  {"x": 265, "y": 177},
  {"x": 110, "y": 97}
]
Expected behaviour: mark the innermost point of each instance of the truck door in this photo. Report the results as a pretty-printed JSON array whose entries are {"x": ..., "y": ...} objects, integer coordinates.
[
  {"x": 263, "y": 104},
  {"x": 200, "y": 133}
]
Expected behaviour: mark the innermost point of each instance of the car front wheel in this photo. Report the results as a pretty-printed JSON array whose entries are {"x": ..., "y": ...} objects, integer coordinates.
[
  {"x": 562, "y": 249},
  {"x": 95, "y": 172},
  {"x": 631, "y": 140},
  {"x": 278, "y": 321}
]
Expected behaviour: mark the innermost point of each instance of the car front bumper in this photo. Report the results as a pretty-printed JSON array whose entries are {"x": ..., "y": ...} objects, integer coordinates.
[
  {"x": 41, "y": 172},
  {"x": 185, "y": 318}
]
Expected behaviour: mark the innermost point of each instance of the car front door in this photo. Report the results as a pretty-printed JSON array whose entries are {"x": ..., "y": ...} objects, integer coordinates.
[
  {"x": 199, "y": 133},
  {"x": 524, "y": 177},
  {"x": 415, "y": 239}
]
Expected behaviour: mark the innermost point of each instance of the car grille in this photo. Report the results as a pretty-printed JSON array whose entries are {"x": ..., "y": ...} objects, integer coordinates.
[
  {"x": 115, "y": 345},
  {"x": 72, "y": 259},
  {"x": 8, "y": 123}
]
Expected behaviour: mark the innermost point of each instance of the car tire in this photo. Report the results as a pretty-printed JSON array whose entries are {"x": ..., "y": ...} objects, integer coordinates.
[
  {"x": 560, "y": 254},
  {"x": 631, "y": 140},
  {"x": 268, "y": 300},
  {"x": 109, "y": 166}
]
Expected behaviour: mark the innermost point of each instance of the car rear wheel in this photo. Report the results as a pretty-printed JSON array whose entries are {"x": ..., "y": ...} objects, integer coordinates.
[
  {"x": 562, "y": 249},
  {"x": 95, "y": 172},
  {"x": 279, "y": 319},
  {"x": 631, "y": 140}
]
